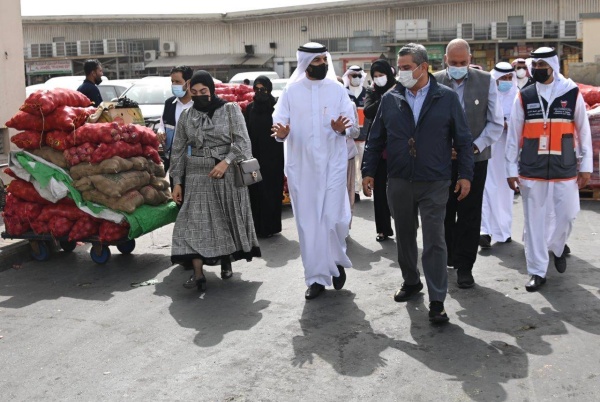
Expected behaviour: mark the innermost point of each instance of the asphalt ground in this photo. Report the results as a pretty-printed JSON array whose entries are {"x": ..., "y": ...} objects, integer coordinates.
[{"x": 74, "y": 330}]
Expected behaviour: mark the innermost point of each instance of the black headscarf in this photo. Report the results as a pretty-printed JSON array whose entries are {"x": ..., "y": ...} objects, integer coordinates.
[
  {"x": 383, "y": 67},
  {"x": 267, "y": 105},
  {"x": 204, "y": 78}
]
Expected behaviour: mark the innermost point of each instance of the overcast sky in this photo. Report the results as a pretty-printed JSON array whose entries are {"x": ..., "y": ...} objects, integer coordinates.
[{"x": 82, "y": 7}]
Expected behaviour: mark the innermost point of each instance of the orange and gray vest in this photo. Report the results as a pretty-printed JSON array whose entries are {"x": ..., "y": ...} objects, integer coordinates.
[{"x": 548, "y": 148}]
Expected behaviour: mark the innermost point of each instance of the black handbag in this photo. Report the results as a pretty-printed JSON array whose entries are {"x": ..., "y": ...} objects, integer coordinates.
[{"x": 247, "y": 171}]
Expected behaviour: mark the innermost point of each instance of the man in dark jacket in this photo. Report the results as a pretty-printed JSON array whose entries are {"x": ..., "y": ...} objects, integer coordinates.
[
  {"x": 419, "y": 121},
  {"x": 93, "y": 78}
]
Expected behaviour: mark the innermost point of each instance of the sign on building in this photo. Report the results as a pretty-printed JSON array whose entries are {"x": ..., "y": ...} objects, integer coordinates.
[{"x": 49, "y": 67}]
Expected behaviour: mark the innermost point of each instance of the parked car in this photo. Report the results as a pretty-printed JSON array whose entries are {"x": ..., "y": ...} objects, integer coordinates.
[
  {"x": 113, "y": 89},
  {"x": 278, "y": 86},
  {"x": 150, "y": 93},
  {"x": 251, "y": 76},
  {"x": 109, "y": 89}
]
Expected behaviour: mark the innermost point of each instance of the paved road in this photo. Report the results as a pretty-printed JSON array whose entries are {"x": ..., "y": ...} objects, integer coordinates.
[{"x": 73, "y": 330}]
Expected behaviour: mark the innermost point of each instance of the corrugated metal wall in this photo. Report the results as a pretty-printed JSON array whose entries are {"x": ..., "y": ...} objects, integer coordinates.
[{"x": 206, "y": 38}]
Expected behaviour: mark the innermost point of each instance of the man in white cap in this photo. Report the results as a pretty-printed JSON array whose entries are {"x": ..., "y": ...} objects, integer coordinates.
[
  {"x": 496, "y": 213},
  {"x": 354, "y": 79},
  {"x": 313, "y": 116},
  {"x": 548, "y": 133},
  {"x": 523, "y": 78}
]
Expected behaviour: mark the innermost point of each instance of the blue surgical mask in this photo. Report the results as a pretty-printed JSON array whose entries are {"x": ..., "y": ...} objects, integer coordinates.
[
  {"x": 504, "y": 86},
  {"x": 178, "y": 91},
  {"x": 457, "y": 73}
]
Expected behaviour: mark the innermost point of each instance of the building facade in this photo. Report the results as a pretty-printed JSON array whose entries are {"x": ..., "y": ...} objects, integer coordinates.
[{"x": 355, "y": 33}]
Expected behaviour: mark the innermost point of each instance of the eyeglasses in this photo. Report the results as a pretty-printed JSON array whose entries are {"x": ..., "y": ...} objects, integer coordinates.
[
  {"x": 263, "y": 90},
  {"x": 413, "y": 151},
  {"x": 355, "y": 75}
]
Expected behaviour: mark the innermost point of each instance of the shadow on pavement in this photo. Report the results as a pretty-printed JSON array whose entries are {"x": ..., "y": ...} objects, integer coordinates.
[
  {"x": 226, "y": 306},
  {"x": 278, "y": 251},
  {"x": 76, "y": 276},
  {"x": 335, "y": 330},
  {"x": 362, "y": 257}
]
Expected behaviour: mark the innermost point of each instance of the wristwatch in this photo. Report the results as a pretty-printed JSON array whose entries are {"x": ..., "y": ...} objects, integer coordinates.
[
  {"x": 227, "y": 160},
  {"x": 475, "y": 149}
]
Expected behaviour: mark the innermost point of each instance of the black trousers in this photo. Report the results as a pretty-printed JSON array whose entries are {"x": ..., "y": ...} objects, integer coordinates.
[
  {"x": 463, "y": 219},
  {"x": 383, "y": 219}
]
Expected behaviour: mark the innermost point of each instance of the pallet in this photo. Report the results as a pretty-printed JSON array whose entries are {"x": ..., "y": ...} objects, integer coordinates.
[{"x": 590, "y": 194}]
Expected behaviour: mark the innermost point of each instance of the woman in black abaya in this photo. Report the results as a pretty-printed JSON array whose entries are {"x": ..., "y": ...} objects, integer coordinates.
[{"x": 265, "y": 196}]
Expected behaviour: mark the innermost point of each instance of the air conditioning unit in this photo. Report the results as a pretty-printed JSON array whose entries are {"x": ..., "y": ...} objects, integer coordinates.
[
  {"x": 110, "y": 46},
  {"x": 83, "y": 48},
  {"x": 149, "y": 55},
  {"x": 567, "y": 29},
  {"x": 535, "y": 29},
  {"x": 499, "y": 30},
  {"x": 465, "y": 31},
  {"x": 167, "y": 47},
  {"x": 59, "y": 49},
  {"x": 249, "y": 49}
]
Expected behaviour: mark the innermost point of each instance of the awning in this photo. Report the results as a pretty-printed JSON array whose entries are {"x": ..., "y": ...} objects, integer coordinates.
[{"x": 211, "y": 60}]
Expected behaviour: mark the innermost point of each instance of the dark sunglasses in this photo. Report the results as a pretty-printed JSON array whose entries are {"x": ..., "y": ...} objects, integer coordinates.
[
  {"x": 263, "y": 90},
  {"x": 355, "y": 75}
]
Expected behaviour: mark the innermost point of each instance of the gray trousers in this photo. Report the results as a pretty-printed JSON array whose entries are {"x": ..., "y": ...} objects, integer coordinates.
[{"x": 406, "y": 199}]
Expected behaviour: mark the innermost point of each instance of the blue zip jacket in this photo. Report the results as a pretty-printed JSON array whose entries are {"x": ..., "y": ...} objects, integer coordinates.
[{"x": 442, "y": 125}]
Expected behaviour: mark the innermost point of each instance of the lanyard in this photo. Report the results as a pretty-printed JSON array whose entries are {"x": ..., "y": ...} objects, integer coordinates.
[{"x": 545, "y": 112}]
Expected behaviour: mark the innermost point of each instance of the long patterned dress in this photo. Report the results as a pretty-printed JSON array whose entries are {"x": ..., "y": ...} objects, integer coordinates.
[{"x": 215, "y": 219}]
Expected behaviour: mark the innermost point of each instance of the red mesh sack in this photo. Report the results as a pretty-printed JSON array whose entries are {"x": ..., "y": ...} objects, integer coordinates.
[
  {"x": 228, "y": 97},
  {"x": 39, "y": 227},
  {"x": 25, "y": 191},
  {"x": 64, "y": 118},
  {"x": 140, "y": 134},
  {"x": 59, "y": 140},
  {"x": 45, "y": 101},
  {"x": 69, "y": 212},
  {"x": 246, "y": 97},
  {"x": 119, "y": 148},
  {"x": 14, "y": 225},
  {"x": 98, "y": 133},
  {"x": 243, "y": 105},
  {"x": 27, "y": 140},
  {"x": 243, "y": 89},
  {"x": 9, "y": 172},
  {"x": 152, "y": 154},
  {"x": 110, "y": 231},
  {"x": 84, "y": 228},
  {"x": 79, "y": 154},
  {"x": 60, "y": 226},
  {"x": 24, "y": 210}
]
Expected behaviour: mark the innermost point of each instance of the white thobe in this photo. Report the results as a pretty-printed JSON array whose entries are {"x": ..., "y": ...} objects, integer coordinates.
[
  {"x": 550, "y": 207},
  {"x": 316, "y": 160},
  {"x": 496, "y": 211}
]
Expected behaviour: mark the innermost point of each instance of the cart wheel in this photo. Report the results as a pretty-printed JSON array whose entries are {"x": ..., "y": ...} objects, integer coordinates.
[
  {"x": 68, "y": 246},
  {"x": 127, "y": 247},
  {"x": 40, "y": 250},
  {"x": 100, "y": 253}
]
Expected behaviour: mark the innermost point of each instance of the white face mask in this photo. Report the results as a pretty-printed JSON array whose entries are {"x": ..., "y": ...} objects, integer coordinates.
[
  {"x": 380, "y": 81},
  {"x": 406, "y": 78},
  {"x": 355, "y": 82},
  {"x": 521, "y": 73}
]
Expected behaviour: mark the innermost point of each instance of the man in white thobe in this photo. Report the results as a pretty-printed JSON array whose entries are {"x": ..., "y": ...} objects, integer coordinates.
[
  {"x": 313, "y": 117},
  {"x": 496, "y": 213},
  {"x": 549, "y": 155}
]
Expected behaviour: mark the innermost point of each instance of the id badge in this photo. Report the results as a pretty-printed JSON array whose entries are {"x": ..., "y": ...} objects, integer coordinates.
[{"x": 543, "y": 143}]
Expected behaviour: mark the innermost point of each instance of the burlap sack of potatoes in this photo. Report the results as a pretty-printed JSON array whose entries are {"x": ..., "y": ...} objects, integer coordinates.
[
  {"x": 115, "y": 185},
  {"x": 127, "y": 203},
  {"x": 52, "y": 156}
]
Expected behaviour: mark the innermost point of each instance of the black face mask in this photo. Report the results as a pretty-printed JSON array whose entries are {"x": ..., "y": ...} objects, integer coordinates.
[
  {"x": 98, "y": 80},
  {"x": 540, "y": 75},
  {"x": 261, "y": 97},
  {"x": 317, "y": 72},
  {"x": 201, "y": 101}
]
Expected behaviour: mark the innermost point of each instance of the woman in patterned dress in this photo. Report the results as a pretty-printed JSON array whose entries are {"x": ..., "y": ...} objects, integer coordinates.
[{"x": 214, "y": 225}]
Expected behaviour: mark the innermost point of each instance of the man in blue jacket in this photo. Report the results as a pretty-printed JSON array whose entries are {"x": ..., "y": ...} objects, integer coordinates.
[
  {"x": 93, "y": 77},
  {"x": 420, "y": 121}
]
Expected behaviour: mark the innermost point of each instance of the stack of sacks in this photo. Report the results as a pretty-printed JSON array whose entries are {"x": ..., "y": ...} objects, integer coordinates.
[
  {"x": 242, "y": 94},
  {"x": 591, "y": 96},
  {"x": 48, "y": 118},
  {"x": 26, "y": 210}
]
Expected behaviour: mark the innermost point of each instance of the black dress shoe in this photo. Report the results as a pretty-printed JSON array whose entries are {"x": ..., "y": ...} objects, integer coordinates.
[
  {"x": 464, "y": 279},
  {"x": 381, "y": 238},
  {"x": 535, "y": 282},
  {"x": 339, "y": 281},
  {"x": 560, "y": 263},
  {"x": 407, "y": 292},
  {"x": 485, "y": 241},
  {"x": 196, "y": 283},
  {"x": 509, "y": 240},
  {"x": 566, "y": 250},
  {"x": 437, "y": 313},
  {"x": 313, "y": 291}
]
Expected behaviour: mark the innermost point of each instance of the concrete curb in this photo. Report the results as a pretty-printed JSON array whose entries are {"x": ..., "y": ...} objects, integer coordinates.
[{"x": 16, "y": 251}]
